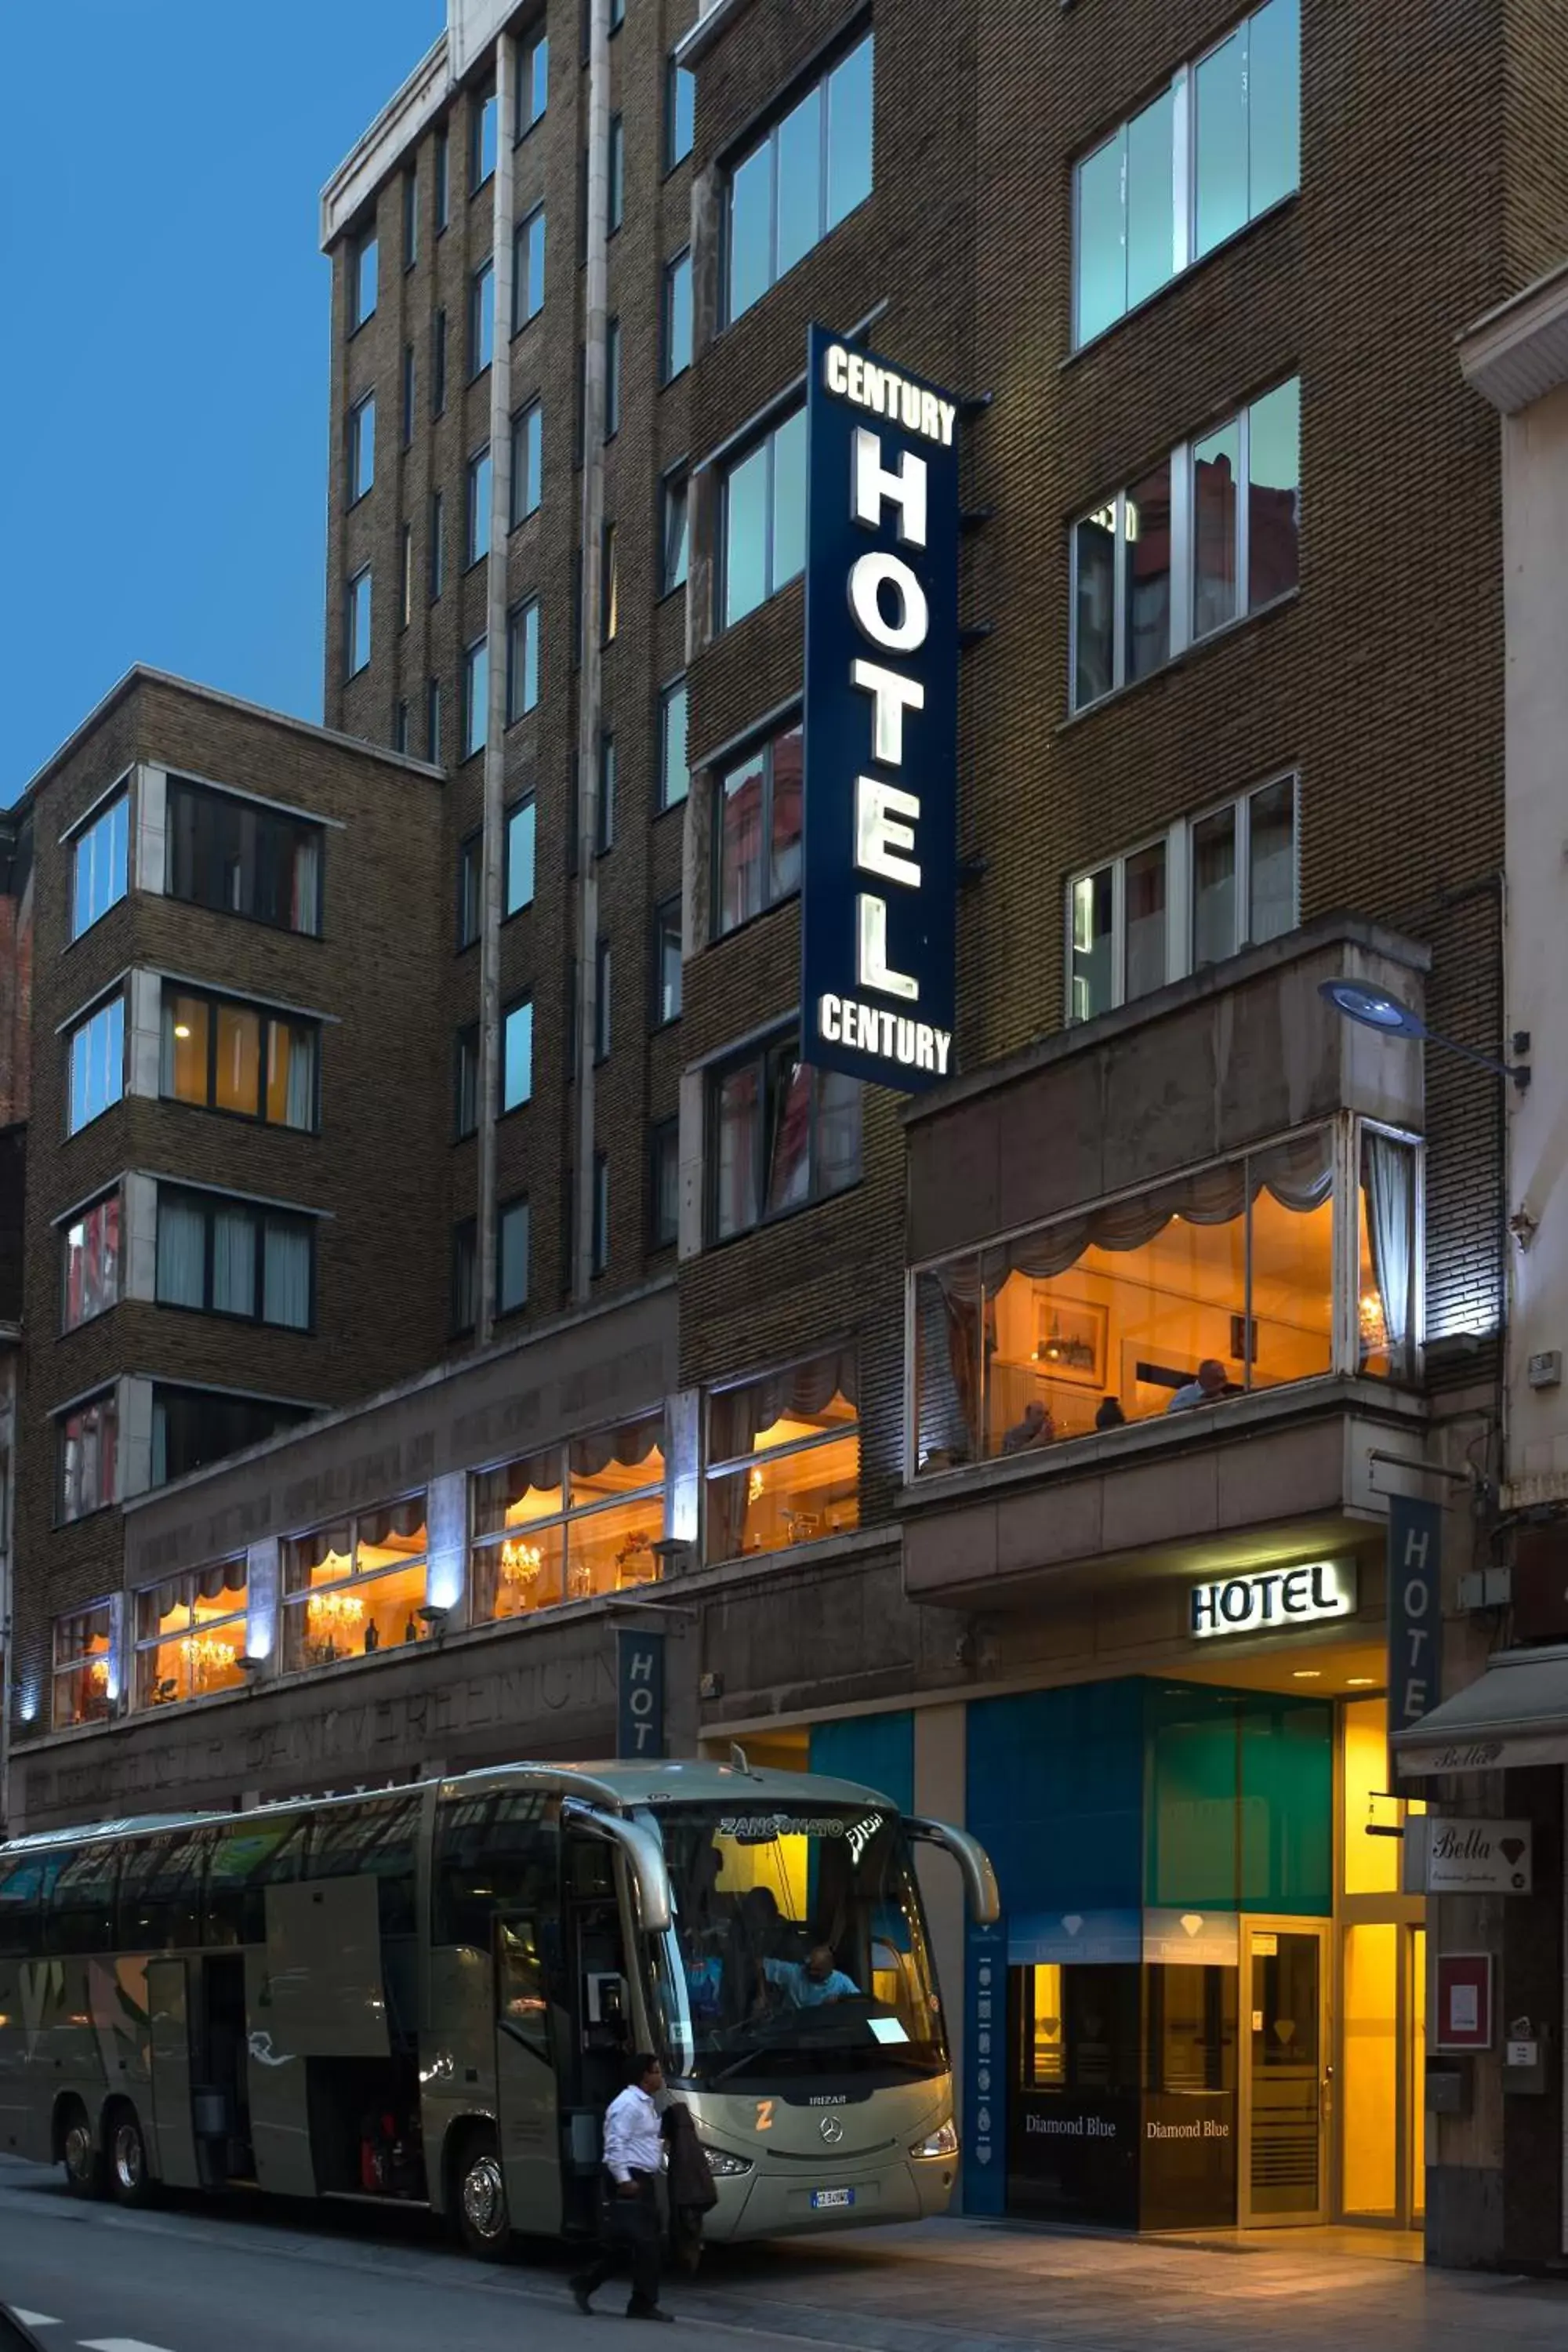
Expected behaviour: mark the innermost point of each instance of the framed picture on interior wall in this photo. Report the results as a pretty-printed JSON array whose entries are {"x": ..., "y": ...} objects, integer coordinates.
[
  {"x": 1243, "y": 1339},
  {"x": 1070, "y": 1345}
]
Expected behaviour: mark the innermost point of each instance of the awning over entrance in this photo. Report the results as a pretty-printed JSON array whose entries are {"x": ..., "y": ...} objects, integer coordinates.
[{"x": 1516, "y": 1713}]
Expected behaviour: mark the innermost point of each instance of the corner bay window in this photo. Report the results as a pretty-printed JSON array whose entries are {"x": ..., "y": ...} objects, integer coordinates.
[
  {"x": 99, "y": 865},
  {"x": 223, "y": 1056},
  {"x": 355, "y": 1587},
  {"x": 96, "y": 1064},
  {"x": 1211, "y": 1284},
  {"x": 803, "y": 177},
  {"x": 91, "y": 1241},
  {"x": 758, "y": 830},
  {"x": 190, "y": 1634},
  {"x": 569, "y": 1522},
  {"x": 781, "y": 1135},
  {"x": 88, "y": 1442},
  {"x": 83, "y": 1664},
  {"x": 235, "y": 1258},
  {"x": 784, "y": 1458},
  {"x": 243, "y": 858},
  {"x": 1212, "y": 533},
  {"x": 763, "y": 534},
  {"x": 192, "y": 1427}
]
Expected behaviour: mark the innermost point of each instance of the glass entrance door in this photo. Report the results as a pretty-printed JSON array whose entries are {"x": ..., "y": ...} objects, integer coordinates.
[{"x": 1286, "y": 2075}]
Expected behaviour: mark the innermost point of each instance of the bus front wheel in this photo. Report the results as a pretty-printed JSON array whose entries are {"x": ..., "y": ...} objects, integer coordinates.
[
  {"x": 130, "y": 2180},
  {"x": 479, "y": 2204},
  {"x": 81, "y": 2153}
]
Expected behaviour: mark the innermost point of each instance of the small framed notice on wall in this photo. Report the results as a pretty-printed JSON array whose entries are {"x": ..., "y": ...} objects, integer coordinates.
[{"x": 1462, "y": 2016}]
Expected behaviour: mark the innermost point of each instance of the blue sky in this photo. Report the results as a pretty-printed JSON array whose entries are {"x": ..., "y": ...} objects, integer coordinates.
[{"x": 164, "y": 341}]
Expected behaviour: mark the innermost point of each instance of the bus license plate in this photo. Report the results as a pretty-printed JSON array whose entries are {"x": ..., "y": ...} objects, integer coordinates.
[{"x": 831, "y": 2200}]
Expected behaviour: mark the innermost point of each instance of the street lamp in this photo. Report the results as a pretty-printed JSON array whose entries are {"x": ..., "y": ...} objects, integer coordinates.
[{"x": 1373, "y": 1008}]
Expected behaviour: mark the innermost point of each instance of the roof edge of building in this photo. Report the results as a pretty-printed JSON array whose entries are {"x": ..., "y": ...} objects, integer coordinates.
[
  {"x": 717, "y": 16},
  {"x": 377, "y": 150},
  {"x": 1518, "y": 353}
]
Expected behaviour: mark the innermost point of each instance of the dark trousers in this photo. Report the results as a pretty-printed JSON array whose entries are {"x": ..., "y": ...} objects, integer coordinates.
[{"x": 628, "y": 2235}]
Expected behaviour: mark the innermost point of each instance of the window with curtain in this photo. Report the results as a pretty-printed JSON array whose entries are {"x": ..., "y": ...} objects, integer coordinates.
[
  {"x": 236, "y": 1257},
  {"x": 192, "y": 1427},
  {"x": 783, "y": 1458},
  {"x": 1386, "y": 1255},
  {"x": 244, "y": 858},
  {"x": 92, "y": 1252},
  {"x": 780, "y": 1136},
  {"x": 83, "y": 1667},
  {"x": 221, "y": 1055},
  {"x": 757, "y": 831},
  {"x": 355, "y": 1587},
  {"x": 190, "y": 1634},
  {"x": 569, "y": 1523},
  {"x": 87, "y": 1438}
]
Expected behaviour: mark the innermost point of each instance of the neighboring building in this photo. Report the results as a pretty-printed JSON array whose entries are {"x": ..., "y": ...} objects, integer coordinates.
[{"x": 1026, "y": 1451}]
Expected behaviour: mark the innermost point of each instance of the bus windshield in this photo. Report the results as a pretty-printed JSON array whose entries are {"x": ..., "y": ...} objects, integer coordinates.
[{"x": 798, "y": 1946}]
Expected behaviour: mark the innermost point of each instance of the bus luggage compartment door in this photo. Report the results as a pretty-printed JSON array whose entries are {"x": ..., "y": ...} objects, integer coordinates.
[
  {"x": 315, "y": 1991},
  {"x": 169, "y": 2009}
]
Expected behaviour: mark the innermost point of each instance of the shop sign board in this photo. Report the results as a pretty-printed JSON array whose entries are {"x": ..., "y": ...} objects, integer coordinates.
[
  {"x": 1414, "y": 1609},
  {"x": 1463, "y": 2016},
  {"x": 639, "y": 1692},
  {"x": 880, "y": 864},
  {"x": 1479, "y": 1857},
  {"x": 1273, "y": 1600}
]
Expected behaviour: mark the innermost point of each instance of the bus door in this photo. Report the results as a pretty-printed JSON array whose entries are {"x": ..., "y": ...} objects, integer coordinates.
[
  {"x": 173, "y": 2122},
  {"x": 604, "y": 2022},
  {"x": 526, "y": 2090}
]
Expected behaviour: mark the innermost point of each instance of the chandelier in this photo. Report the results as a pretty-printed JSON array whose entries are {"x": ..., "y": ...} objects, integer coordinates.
[
  {"x": 1374, "y": 1332},
  {"x": 521, "y": 1564},
  {"x": 203, "y": 1656},
  {"x": 330, "y": 1613}
]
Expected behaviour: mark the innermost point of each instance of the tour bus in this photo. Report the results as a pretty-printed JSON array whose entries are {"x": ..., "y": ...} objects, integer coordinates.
[{"x": 428, "y": 1994}]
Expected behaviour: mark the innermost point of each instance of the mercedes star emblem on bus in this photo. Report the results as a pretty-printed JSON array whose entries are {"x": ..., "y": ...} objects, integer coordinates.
[{"x": 832, "y": 2130}]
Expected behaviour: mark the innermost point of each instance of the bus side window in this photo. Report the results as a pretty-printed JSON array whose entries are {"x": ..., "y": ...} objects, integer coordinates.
[
  {"x": 250, "y": 1852},
  {"x": 522, "y": 1992},
  {"x": 24, "y": 1886},
  {"x": 160, "y": 1906},
  {"x": 80, "y": 1915},
  {"x": 492, "y": 1853},
  {"x": 378, "y": 1839}
]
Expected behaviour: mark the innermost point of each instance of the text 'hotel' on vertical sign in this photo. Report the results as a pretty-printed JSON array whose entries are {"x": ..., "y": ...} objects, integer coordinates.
[
  {"x": 878, "y": 914},
  {"x": 1414, "y": 1609},
  {"x": 639, "y": 1694}
]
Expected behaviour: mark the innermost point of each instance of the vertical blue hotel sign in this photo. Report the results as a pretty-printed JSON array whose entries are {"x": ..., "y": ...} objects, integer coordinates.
[{"x": 877, "y": 916}]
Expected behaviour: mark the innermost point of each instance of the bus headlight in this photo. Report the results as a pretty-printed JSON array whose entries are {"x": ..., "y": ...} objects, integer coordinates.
[
  {"x": 943, "y": 2142},
  {"x": 725, "y": 2167}
]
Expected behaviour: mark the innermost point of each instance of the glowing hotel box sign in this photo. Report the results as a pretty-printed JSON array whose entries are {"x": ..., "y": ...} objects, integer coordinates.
[{"x": 877, "y": 916}]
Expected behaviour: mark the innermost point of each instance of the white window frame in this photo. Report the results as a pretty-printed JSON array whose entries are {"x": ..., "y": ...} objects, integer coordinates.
[
  {"x": 1177, "y": 841},
  {"x": 96, "y": 835}
]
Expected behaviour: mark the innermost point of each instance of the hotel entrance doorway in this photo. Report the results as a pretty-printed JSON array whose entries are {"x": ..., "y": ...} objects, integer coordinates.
[{"x": 1287, "y": 2074}]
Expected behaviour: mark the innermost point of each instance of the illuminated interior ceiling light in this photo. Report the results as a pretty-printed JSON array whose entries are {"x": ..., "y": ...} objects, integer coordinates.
[
  {"x": 520, "y": 1563},
  {"x": 755, "y": 1486},
  {"x": 182, "y": 1029},
  {"x": 1307, "y": 1675},
  {"x": 1360, "y": 1682}
]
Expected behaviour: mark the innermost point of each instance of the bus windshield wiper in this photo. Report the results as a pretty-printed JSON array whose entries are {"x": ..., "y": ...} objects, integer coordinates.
[{"x": 757, "y": 2050}]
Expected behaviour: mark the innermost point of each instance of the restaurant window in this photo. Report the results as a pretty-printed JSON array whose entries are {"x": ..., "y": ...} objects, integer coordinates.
[
  {"x": 1192, "y": 1292},
  {"x": 1126, "y": 936},
  {"x": 513, "y": 1240},
  {"x": 527, "y": 461},
  {"x": 92, "y": 1246},
  {"x": 190, "y": 1634},
  {"x": 477, "y": 524},
  {"x": 223, "y": 1056},
  {"x": 244, "y": 858},
  {"x": 675, "y": 510},
  {"x": 679, "y": 112},
  {"x": 80, "y": 1690},
  {"x": 781, "y": 1135},
  {"x": 355, "y": 1587},
  {"x": 664, "y": 1183},
  {"x": 758, "y": 830},
  {"x": 784, "y": 1458},
  {"x": 801, "y": 179},
  {"x": 532, "y": 82},
  {"x": 226, "y": 1256},
  {"x": 466, "y": 1082},
  {"x": 99, "y": 864},
  {"x": 97, "y": 1060},
  {"x": 192, "y": 1427},
  {"x": 88, "y": 1439},
  {"x": 362, "y": 448},
  {"x": 667, "y": 962},
  {"x": 675, "y": 331},
  {"x": 762, "y": 537},
  {"x": 674, "y": 776},
  {"x": 569, "y": 1523},
  {"x": 1216, "y": 148},
  {"x": 528, "y": 269},
  {"x": 520, "y": 834},
  {"x": 1211, "y": 534}
]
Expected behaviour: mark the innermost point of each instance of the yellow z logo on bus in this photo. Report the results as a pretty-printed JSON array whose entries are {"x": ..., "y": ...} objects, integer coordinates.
[{"x": 765, "y": 2114}]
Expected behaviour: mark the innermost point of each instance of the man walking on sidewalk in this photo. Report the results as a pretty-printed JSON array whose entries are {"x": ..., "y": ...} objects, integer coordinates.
[{"x": 634, "y": 2158}]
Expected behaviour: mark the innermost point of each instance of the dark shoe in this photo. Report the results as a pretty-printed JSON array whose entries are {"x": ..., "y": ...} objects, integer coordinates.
[
  {"x": 579, "y": 2296},
  {"x": 648, "y": 2311}
]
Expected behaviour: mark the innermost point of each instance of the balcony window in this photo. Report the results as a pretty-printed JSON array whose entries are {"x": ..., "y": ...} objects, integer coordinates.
[
  {"x": 190, "y": 1635},
  {"x": 758, "y": 831},
  {"x": 781, "y": 1135},
  {"x": 784, "y": 1459},
  {"x": 89, "y": 1443},
  {"x": 243, "y": 858},
  {"x": 1212, "y": 1286},
  {"x": 97, "y": 1062},
  {"x": 764, "y": 533},
  {"x": 223, "y": 1056},
  {"x": 801, "y": 179},
  {"x": 192, "y": 1427},
  {"x": 83, "y": 1667},
  {"x": 569, "y": 1523},
  {"x": 91, "y": 1242},
  {"x": 355, "y": 1587},
  {"x": 99, "y": 865},
  {"x": 223, "y": 1257}
]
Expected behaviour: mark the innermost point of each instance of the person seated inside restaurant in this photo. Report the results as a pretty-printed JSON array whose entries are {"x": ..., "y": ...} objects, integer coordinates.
[
  {"x": 1037, "y": 1428},
  {"x": 1210, "y": 1385},
  {"x": 806, "y": 1984},
  {"x": 1110, "y": 1415}
]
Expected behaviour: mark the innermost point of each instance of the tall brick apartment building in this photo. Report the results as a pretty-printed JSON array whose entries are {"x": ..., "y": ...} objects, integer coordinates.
[{"x": 1026, "y": 1448}]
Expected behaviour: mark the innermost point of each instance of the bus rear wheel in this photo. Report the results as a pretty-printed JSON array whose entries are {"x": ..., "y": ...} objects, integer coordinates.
[
  {"x": 81, "y": 2153},
  {"x": 479, "y": 2203},
  {"x": 130, "y": 2179}
]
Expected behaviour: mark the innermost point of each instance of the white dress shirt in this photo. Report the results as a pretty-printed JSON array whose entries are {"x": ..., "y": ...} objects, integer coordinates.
[{"x": 632, "y": 2140}]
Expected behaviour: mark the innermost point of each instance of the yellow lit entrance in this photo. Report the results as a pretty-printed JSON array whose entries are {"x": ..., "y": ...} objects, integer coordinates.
[{"x": 1382, "y": 1994}]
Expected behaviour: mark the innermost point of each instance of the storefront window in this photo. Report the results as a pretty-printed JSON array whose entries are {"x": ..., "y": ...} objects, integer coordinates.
[
  {"x": 1195, "y": 1291},
  {"x": 83, "y": 1664},
  {"x": 569, "y": 1522},
  {"x": 190, "y": 1634},
  {"x": 355, "y": 1587},
  {"x": 783, "y": 1457}
]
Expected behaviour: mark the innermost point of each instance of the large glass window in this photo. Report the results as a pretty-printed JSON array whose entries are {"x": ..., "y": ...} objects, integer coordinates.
[
  {"x": 1153, "y": 572},
  {"x": 675, "y": 340},
  {"x": 88, "y": 1439},
  {"x": 97, "y": 1062},
  {"x": 192, "y": 1427},
  {"x": 362, "y": 446},
  {"x": 528, "y": 268},
  {"x": 758, "y": 831},
  {"x": 805, "y": 176},
  {"x": 190, "y": 1634},
  {"x": 99, "y": 865},
  {"x": 569, "y": 1522},
  {"x": 527, "y": 461},
  {"x": 355, "y": 1587},
  {"x": 92, "y": 1243},
  {"x": 1214, "y": 1284},
  {"x": 674, "y": 777},
  {"x": 784, "y": 1458},
  {"x": 764, "y": 518},
  {"x": 83, "y": 1667},
  {"x": 780, "y": 1135},
  {"x": 1211, "y": 152},
  {"x": 236, "y": 1257},
  {"x": 243, "y": 857},
  {"x": 223, "y": 1056}
]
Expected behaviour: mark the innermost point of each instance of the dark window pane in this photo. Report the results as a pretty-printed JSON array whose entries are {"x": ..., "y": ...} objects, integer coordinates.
[
  {"x": 1274, "y": 494},
  {"x": 1094, "y": 608},
  {"x": 1216, "y": 467},
  {"x": 736, "y": 1156},
  {"x": 1148, "y": 527}
]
